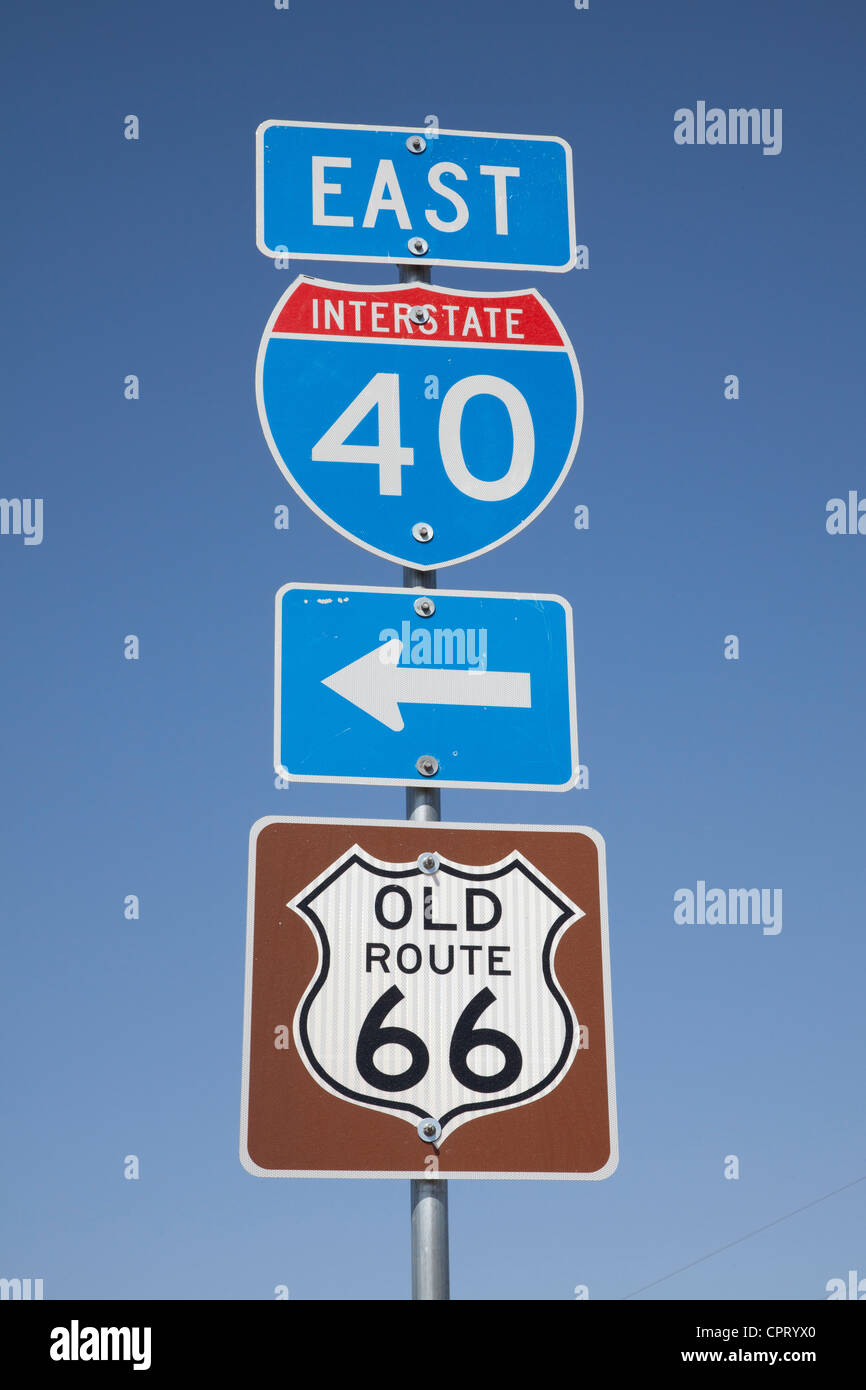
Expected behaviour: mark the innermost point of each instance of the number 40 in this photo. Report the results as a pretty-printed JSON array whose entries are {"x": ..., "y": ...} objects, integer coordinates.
[{"x": 382, "y": 392}]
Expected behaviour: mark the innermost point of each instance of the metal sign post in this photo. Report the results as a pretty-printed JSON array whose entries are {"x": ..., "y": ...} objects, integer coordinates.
[
  {"x": 428, "y": 1196},
  {"x": 369, "y": 1040}
]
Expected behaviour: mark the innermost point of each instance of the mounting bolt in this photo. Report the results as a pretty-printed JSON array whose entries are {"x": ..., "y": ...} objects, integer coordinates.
[
  {"x": 427, "y": 765},
  {"x": 416, "y": 144},
  {"x": 422, "y": 531},
  {"x": 424, "y": 607},
  {"x": 428, "y": 862},
  {"x": 430, "y": 1131},
  {"x": 418, "y": 246},
  {"x": 419, "y": 314}
]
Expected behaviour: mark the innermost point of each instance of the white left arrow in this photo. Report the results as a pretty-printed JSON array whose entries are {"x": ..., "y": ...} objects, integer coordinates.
[{"x": 378, "y": 685}]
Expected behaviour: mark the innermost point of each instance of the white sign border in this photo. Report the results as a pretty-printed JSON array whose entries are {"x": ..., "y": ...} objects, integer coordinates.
[
  {"x": 425, "y": 828},
  {"x": 421, "y": 260},
  {"x": 427, "y": 781},
  {"x": 416, "y": 562}
]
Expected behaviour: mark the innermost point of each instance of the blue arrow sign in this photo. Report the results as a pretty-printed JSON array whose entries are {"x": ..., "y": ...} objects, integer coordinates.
[
  {"x": 427, "y": 425},
  {"x": 424, "y": 687},
  {"x": 442, "y": 197}
]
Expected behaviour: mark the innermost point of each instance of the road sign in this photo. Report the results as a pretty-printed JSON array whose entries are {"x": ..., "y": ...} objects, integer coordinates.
[
  {"x": 427, "y": 999},
  {"x": 442, "y": 197},
  {"x": 425, "y": 687},
  {"x": 427, "y": 425}
]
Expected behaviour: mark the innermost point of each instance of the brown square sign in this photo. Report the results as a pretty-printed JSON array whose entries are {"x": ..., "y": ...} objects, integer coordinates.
[{"x": 427, "y": 999}]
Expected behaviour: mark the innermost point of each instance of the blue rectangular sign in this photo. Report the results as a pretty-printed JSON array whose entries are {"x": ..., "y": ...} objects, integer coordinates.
[
  {"x": 424, "y": 687},
  {"x": 439, "y": 197}
]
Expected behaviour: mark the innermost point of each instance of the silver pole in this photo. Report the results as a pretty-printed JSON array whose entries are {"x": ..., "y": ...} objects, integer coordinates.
[
  {"x": 430, "y": 1239},
  {"x": 429, "y": 1196}
]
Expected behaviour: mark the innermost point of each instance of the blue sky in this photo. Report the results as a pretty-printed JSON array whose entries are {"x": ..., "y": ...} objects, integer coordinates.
[{"x": 707, "y": 518}]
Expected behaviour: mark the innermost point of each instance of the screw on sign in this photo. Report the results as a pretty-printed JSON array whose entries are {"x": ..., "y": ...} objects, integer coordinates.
[
  {"x": 434, "y": 990},
  {"x": 427, "y": 425}
]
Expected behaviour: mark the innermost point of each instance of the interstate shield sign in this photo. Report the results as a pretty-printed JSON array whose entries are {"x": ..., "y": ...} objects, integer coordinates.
[{"x": 427, "y": 425}]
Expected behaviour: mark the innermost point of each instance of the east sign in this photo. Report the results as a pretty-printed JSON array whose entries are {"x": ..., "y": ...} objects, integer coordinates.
[{"x": 442, "y": 197}]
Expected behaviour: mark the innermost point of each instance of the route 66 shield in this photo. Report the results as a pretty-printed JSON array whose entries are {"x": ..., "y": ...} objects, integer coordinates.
[
  {"x": 443, "y": 980},
  {"x": 431, "y": 999}
]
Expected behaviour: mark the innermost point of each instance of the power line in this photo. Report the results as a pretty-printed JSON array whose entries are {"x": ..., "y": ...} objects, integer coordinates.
[{"x": 757, "y": 1231}]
